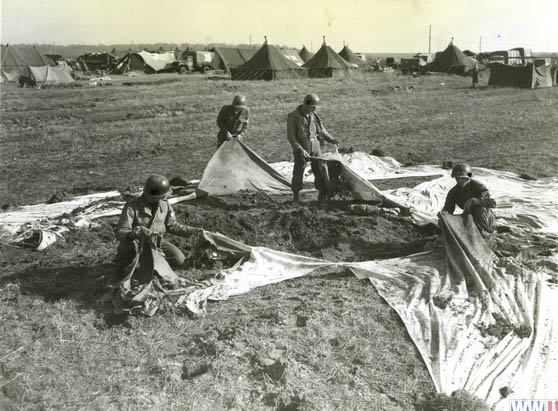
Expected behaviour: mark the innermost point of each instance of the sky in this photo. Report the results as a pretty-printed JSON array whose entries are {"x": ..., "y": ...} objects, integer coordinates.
[{"x": 365, "y": 25}]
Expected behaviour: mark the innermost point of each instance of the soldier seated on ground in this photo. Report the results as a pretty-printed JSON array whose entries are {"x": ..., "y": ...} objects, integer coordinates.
[
  {"x": 151, "y": 215},
  {"x": 473, "y": 198}
]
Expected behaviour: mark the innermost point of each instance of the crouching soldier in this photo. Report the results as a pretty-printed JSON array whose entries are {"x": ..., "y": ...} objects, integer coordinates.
[
  {"x": 473, "y": 198},
  {"x": 151, "y": 215},
  {"x": 233, "y": 120}
]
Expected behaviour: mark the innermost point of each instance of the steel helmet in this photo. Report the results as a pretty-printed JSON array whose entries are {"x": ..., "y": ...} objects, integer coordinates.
[
  {"x": 156, "y": 187},
  {"x": 461, "y": 170},
  {"x": 239, "y": 101},
  {"x": 311, "y": 100}
]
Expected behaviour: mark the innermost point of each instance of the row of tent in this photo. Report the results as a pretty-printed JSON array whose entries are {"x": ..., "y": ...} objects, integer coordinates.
[
  {"x": 230, "y": 59},
  {"x": 533, "y": 73},
  {"x": 28, "y": 64},
  {"x": 269, "y": 63},
  {"x": 266, "y": 63}
]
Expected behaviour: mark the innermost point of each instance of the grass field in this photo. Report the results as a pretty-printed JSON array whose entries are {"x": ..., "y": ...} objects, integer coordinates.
[{"x": 325, "y": 342}]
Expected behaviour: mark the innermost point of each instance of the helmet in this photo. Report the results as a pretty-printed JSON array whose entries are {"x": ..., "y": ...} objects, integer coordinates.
[
  {"x": 156, "y": 187},
  {"x": 311, "y": 100},
  {"x": 239, "y": 101},
  {"x": 461, "y": 170}
]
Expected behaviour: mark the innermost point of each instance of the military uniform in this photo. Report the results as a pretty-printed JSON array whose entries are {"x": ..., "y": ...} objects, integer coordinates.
[
  {"x": 159, "y": 218},
  {"x": 481, "y": 211},
  {"x": 306, "y": 131},
  {"x": 232, "y": 119}
]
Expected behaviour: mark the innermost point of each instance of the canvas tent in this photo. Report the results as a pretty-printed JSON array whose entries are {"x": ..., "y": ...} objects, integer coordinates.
[
  {"x": 532, "y": 75},
  {"x": 292, "y": 55},
  {"x": 327, "y": 63},
  {"x": 451, "y": 60},
  {"x": 351, "y": 57},
  {"x": 268, "y": 64},
  {"x": 30, "y": 64},
  {"x": 228, "y": 58},
  {"x": 305, "y": 54},
  {"x": 235, "y": 167},
  {"x": 144, "y": 61}
]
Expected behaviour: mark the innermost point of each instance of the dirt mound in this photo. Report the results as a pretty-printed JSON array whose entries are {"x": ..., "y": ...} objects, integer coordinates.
[{"x": 328, "y": 231}]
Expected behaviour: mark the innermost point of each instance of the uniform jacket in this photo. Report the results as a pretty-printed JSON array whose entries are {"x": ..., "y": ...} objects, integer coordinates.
[
  {"x": 474, "y": 189},
  {"x": 138, "y": 213},
  {"x": 304, "y": 131},
  {"x": 233, "y": 119}
]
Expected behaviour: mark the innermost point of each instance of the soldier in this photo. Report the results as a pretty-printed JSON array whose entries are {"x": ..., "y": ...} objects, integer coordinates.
[
  {"x": 472, "y": 197},
  {"x": 232, "y": 120},
  {"x": 475, "y": 75},
  {"x": 305, "y": 132},
  {"x": 151, "y": 214}
]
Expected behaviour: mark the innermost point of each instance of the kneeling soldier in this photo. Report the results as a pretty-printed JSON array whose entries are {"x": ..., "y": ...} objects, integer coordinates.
[{"x": 151, "y": 214}]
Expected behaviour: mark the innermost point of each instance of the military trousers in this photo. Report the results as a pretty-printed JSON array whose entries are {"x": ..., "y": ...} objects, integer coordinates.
[
  {"x": 319, "y": 169},
  {"x": 484, "y": 219},
  {"x": 126, "y": 251}
]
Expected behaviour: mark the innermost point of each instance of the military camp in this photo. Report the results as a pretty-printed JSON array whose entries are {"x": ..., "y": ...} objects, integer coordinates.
[{"x": 289, "y": 206}]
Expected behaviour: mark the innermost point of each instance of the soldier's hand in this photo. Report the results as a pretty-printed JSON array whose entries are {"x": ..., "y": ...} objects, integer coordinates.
[
  {"x": 334, "y": 141},
  {"x": 239, "y": 137},
  {"x": 134, "y": 234},
  {"x": 228, "y": 136},
  {"x": 304, "y": 153}
]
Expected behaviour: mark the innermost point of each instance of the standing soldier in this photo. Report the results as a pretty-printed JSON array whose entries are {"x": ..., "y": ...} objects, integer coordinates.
[
  {"x": 305, "y": 132},
  {"x": 232, "y": 120},
  {"x": 475, "y": 75},
  {"x": 151, "y": 215}
]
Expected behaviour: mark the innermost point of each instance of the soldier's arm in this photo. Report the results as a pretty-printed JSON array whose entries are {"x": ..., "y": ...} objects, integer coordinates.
[
  {"x": 324, "y": 133},
  {"x": 291, "y": 133},
  {"x": 124, "y": 227},
  {"x": 484, "y": 200},
  {"x": 449, "y": 205},
  {"x": 244, "y": 120},
  {"x": 221, "y": 119},
  {"x": 174, "y": 227}
]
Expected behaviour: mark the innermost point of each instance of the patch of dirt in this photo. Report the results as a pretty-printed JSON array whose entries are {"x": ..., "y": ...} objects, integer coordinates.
[{"x": 330, "y": 231}]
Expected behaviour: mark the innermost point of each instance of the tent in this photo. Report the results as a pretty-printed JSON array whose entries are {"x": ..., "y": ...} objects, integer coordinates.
[
  {"x": 351, "y": 57},
  {"x": 532, "y": 75},
  {"x": 268, "y": 64},
  {"x": 451, "y": 60},
  {"x": 228, "y": 58},
  {"x": 235, "y": 167},
  {"x": 305, "y": 54},
  {"x": 144, "y": 61},
  {"x": 292, "y": 54},
  {"x": 29, "y": 63},
  {"x": 327, "y": 63}
]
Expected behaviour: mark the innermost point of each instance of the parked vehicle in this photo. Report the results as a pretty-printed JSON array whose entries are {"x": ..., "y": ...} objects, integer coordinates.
[
  {"x": 182, "y": 66},
  {"x": 201, "y": 60},
  {"x": 410, "y": 65}
]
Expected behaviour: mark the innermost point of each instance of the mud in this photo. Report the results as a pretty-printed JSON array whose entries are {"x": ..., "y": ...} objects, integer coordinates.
[{"x": 330, "y": 231}]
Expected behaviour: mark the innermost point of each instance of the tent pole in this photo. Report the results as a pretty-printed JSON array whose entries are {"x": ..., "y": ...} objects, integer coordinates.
[{"x": 429, "y": 37}]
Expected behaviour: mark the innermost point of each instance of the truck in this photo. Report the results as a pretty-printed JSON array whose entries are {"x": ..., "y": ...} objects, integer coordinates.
[
  {"x": 410, "y": 65},
  {"x": 183, "y": 66},
  {"x": 201, "y": 60}
]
